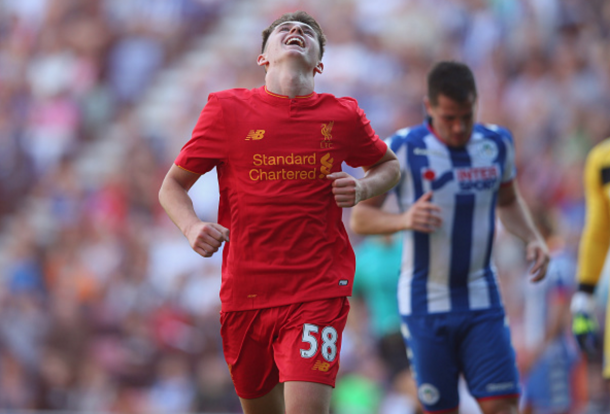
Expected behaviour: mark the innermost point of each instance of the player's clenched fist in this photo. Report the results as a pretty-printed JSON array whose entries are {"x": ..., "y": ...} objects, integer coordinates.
[
  {"x": 206, "y": 238},
  {"x": 347, "y": 189},
  {"x": 423, "y": 215}
]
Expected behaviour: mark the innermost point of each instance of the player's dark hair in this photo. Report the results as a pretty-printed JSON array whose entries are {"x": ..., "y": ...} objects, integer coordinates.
[
  {"x": 297, "y": 16},
  {"x": 453, "y": 80}
]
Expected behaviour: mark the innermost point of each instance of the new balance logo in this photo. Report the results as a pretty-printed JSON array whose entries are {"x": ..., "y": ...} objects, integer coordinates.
[
  {"x": 321, "y": 366},
  {"x": 255, "y": 135}
]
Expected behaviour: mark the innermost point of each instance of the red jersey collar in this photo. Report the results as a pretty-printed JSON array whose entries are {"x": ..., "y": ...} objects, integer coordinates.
[
  {"x": 287, "y": 97},
  {"x": 278, "y": 99}
]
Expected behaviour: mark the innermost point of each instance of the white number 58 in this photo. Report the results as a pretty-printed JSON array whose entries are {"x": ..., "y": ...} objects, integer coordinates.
[{"x": 329, "y": 342}]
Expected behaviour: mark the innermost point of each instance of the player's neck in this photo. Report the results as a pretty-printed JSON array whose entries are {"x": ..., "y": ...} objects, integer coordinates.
[{"x": 289, "y": 81}]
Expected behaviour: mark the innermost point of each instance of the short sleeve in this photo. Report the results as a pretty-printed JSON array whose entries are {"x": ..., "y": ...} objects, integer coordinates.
[
  {"x": 510, "y": 169},
  {"x": 368, "y": 148},
  {"x": 398, "y": 144},
  {"x": 207, "y": 146}
]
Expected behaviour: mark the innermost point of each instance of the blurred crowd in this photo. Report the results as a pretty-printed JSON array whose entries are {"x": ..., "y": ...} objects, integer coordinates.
[{"x": 103, "y": 306}]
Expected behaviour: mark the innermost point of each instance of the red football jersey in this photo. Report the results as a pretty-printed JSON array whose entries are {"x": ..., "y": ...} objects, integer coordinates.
[{"x": 272, "y": 153}]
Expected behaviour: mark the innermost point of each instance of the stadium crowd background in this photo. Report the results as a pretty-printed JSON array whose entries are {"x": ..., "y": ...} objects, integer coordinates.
[{"x": 103, "y": 306}]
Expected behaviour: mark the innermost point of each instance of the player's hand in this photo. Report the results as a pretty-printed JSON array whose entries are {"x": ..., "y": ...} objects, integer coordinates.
[
  {"x": 584, "y": 323},
  {"x": 206, "y": 238},
  {"x": 537, "y": 252},
  {"x": 347, "y": 189},
  {"x": 423, "y": 216}
]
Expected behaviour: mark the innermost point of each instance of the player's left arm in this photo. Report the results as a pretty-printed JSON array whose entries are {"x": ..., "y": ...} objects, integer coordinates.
[
  {"x": 378, "y": 178},
  {"x": 595, "y": 237},
  {"x": 516, "y": 217}
]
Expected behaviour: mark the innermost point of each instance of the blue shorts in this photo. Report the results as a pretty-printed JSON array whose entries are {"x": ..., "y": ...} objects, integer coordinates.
[{"x": 475, "y": 344}]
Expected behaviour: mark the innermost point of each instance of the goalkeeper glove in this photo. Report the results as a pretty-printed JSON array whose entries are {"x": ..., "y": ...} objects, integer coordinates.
[{"x": 584, "y": 323}]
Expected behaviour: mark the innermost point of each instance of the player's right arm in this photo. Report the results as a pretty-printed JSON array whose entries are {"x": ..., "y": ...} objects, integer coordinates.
[
  {"x": 368, "y": 217},
  {"x": 204, "y": 238}
]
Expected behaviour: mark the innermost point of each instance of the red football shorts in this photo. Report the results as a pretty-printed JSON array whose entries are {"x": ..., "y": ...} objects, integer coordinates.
[{"x": 298, "y": 342}]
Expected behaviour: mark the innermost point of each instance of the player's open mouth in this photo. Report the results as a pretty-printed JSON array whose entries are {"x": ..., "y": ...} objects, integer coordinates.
[{"x": 295, "y": 40}]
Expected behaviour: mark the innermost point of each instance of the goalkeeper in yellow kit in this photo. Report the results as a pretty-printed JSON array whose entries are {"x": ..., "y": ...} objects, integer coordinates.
[{"x": 594, "y": 246}]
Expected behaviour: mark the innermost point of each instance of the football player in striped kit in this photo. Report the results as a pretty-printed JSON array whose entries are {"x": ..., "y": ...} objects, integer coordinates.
[{"x": 456, "y": 174}]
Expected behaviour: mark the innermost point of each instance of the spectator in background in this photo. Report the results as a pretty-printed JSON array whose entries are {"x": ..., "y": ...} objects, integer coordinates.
[
  {"x": 377, "y": 272},
  {"x": 375, "y": 281},
  {"x": 133, "y": 61}
]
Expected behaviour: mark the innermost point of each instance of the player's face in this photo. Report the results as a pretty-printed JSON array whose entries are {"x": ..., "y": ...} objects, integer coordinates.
[
  {"x": 453, "y": 121},
  {"x": 293, "y": 40}
]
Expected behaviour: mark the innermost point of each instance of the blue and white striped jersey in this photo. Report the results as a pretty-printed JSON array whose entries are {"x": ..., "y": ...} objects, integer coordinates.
[{"x": 451, "y": 269}]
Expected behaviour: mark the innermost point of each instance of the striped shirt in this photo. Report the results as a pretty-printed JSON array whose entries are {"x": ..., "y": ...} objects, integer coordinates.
[{"x": 451, "y": 269}]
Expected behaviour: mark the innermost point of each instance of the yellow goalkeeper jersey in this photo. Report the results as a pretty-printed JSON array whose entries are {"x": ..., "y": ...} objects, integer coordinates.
[{"x": 595, "y": 239}]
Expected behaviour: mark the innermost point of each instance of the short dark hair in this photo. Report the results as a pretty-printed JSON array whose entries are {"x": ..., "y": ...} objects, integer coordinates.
[
  {"x": 297, "y": 16},
  {"x": 452, "y": 79}
]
